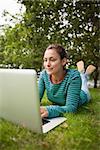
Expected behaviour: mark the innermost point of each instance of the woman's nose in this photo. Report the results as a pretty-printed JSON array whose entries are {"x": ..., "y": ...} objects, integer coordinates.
[{"x": 48, "y": 63}]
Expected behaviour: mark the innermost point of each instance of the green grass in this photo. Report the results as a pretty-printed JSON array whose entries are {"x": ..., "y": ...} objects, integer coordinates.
[{"x": 79, "y": 132}]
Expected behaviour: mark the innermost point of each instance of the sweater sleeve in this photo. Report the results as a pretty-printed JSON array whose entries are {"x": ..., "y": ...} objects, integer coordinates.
[
  {"x": 72, "y": 99},
  {"x": 41, "y": 86}
]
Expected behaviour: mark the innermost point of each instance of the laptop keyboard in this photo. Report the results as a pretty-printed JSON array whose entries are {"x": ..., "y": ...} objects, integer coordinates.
[{"x": 44, "y": 121}]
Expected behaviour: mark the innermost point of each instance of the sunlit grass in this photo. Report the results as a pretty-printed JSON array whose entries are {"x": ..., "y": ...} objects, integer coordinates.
[{"x": 79, "y": 132}]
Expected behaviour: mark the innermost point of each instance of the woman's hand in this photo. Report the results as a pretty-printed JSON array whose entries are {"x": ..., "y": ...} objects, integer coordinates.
[{"x": 44, "y": 112}]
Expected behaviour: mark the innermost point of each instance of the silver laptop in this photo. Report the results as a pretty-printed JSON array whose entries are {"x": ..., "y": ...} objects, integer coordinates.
[{"x": 19, "y": 100}]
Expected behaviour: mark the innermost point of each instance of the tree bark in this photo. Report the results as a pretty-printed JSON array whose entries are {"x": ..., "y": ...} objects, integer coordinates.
[{"x": 96, "y": 75}]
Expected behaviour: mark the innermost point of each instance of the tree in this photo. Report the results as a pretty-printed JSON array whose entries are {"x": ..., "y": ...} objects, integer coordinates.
[
  {"x": 16, "y": 50},
  {"x": 85, "y": 37},
  {"x": 72, "y": 23}
]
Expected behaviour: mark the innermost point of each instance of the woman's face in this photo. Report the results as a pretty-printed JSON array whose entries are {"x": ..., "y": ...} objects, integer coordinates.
[{"x": 52, "y": 62}]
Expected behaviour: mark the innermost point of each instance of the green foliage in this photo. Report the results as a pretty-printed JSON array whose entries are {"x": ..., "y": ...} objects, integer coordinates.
[
  {"x": 74, "y": 24},
  {"x": 79, "y": 132}
]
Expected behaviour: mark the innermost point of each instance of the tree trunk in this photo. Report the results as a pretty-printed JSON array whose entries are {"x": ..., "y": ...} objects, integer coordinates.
[
  {"x": 96, "y": 74},
  {"x": 95, "y": 83}
]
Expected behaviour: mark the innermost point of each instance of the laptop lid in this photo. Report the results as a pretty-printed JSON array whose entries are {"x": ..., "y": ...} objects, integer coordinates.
[{"x": 19, "y": 98}]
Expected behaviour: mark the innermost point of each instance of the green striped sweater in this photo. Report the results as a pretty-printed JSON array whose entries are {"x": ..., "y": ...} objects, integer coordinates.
[{"x": 65, "y": 96}]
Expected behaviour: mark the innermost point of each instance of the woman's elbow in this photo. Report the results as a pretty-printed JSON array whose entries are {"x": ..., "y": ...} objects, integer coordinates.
[{"x": 71, "y": 109}]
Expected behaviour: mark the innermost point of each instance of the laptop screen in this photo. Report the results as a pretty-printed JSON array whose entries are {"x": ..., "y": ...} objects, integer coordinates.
[{"x": 19, "y": 98}]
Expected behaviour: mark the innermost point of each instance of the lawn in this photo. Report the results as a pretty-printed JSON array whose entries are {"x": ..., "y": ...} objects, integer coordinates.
[{"x": 79, "y": 132}]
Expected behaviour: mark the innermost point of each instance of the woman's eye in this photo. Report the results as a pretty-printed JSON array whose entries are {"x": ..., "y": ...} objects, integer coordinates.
[
  {"x": 53, "y": 59},
  {"x": 44, "y": 60}
]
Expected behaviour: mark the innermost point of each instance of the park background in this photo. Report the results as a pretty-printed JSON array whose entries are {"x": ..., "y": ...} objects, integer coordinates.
[
  {"x": 71, "y": 23},
  {"x": 75, "y": 25}
]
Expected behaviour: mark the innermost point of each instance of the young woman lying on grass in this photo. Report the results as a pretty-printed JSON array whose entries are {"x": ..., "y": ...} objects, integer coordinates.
[{"x": 66, "y": 88}]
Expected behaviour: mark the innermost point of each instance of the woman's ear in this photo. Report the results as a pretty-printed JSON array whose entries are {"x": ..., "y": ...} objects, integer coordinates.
[{"x": 64, "y": 61}]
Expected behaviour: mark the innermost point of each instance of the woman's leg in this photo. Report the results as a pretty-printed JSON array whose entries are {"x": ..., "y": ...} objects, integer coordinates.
[
  {"x": 84, "y": 87},
  {"x": 85, "y": 76}
]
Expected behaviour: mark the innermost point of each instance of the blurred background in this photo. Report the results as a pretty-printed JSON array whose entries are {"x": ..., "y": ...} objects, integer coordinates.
[{"x": 27, "y": 27}]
